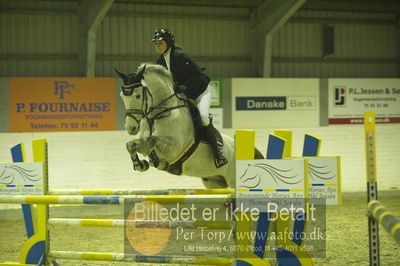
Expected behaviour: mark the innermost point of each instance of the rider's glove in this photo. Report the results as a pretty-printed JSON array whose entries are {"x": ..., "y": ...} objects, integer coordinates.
[{"x": 179, "y": 88}]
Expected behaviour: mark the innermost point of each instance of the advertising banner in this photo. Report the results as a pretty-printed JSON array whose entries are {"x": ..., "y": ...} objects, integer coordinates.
[
  {"x": 324, "y": 179},
  {"x": 216, "y": 103},
  {"x": 350, "y": 98},
  {"x": 274, "y": 102},
  {"x": 62, "y": 104},
  {"x": 283, "y": 180},
  {"x": 21, "y": 179},
  {"x": 216, "y": 93}
]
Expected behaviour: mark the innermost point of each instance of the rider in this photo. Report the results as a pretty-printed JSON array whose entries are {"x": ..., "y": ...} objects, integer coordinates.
[{"x": 190, "y": 76}]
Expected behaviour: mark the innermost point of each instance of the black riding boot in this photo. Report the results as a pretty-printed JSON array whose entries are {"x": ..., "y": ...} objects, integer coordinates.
[{"x": 219, "y": 159}]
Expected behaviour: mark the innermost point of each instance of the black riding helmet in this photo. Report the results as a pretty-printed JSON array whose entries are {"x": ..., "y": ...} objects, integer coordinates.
[{"x": 164, "y": 34}]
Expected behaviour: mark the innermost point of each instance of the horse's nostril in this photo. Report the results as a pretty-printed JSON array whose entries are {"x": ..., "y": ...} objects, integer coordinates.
[{"x": 134, "y": 128}]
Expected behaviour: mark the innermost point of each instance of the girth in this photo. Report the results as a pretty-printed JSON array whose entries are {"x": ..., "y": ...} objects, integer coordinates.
[{"x": 175, "y": 167}]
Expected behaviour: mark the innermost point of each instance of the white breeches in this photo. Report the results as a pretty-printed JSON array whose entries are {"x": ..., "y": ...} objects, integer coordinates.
[{"x": 203, "y": 104}]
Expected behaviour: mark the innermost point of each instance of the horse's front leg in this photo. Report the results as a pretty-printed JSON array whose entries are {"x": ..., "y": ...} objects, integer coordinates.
[
  {"x": 163, "y": 146},
  {"x": 139, "y": 165}
]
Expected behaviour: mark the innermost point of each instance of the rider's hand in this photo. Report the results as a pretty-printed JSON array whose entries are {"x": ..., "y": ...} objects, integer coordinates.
[{"x": 179, "y": 88}]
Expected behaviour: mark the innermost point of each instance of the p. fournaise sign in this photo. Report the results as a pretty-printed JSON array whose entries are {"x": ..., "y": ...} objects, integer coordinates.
[{"x": 62, "y": 104}]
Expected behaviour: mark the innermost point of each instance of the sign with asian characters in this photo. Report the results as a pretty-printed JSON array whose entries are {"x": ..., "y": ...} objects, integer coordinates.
[{"x": 62, "y": 104}]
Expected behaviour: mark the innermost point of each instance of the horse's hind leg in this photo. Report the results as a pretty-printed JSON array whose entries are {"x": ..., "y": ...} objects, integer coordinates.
[{"x": 214, "y": 182}]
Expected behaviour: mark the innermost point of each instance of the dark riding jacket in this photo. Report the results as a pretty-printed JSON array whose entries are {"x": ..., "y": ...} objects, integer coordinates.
[{"x": 186, "y": 72}]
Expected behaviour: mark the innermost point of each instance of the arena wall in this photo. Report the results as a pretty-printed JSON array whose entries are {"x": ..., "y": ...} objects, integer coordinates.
[{"x": 100, "y": 160}]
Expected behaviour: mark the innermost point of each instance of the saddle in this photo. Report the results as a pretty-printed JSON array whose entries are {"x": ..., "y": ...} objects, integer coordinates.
[
  {"x": 200, "y": 133},
  {"x": 200, "y": 136}
]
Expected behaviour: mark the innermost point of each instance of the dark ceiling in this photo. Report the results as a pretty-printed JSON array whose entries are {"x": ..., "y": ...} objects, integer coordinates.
[{"x": 327, "y": 5}]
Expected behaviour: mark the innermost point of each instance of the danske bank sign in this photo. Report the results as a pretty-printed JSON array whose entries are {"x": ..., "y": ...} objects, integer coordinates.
[{"x": 260, "y": 103}]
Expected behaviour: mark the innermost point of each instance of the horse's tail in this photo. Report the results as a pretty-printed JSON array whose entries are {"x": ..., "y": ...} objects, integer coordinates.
[{"x": 258, "y": 154}]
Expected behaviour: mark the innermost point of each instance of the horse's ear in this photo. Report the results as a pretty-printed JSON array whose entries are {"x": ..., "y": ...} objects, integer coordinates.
[
  {"x": 122, "y": 75},
  {"x": 140, "y": 74}
]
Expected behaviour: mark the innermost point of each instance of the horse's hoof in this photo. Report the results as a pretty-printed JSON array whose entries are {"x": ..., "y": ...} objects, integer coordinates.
[
  {"x": 145, "y": 165},
  {"x": 141, "y": 166}
]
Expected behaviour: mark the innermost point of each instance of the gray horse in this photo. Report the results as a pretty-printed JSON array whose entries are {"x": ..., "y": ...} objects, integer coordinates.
[{"x": 164, "y": 131}]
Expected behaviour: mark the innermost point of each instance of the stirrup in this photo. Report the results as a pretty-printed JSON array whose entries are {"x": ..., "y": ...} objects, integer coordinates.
[{"x": 220, "y": 160}]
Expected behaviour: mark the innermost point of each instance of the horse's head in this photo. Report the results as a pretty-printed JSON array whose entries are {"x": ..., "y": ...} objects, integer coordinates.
[
  {"x": 134, "y": 98},
  {"x": 146, "y": 97}
]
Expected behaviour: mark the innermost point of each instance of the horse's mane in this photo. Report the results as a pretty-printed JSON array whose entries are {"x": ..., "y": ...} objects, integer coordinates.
[
  {"x": 157, "y": 69},
  {"x": 158, "y": 78}
]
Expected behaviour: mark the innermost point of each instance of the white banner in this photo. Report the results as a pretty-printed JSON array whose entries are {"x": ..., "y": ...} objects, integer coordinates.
[
  {"x": 324, "y": 179},
  {"x": 350, "y": 98},
  {"x": 21, "y": 179},
  {"x": 216, "y": 92},
  {"x": 282, "y": 180},
  {"x": 274, "y": 102}
]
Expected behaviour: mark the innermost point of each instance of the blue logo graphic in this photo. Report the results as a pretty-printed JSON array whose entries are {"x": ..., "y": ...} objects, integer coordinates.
[
  {"x": 62, "y": 87},
  {"x": 260, "y": 103}
]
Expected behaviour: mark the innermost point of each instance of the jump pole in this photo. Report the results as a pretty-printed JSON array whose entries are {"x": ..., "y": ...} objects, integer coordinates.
[
  {"x": 372, "y": 186},
  {"x": 210, "y": 225},
  {"x": 390, "y": 222},
  {"x": 87, "y": 192},
  {"x": 36, "y": 247},
  {"x": 121, "y": 257},
  {"x": 115, "y": 200},
  {"x": 377, "y": 213}
]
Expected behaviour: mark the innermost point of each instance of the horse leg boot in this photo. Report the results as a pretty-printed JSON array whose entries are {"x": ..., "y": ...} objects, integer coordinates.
[
  {"x": 138, "y": 165},
  {"x": 219, "y": 159}
]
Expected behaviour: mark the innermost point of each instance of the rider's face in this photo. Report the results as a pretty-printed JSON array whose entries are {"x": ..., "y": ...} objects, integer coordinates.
[{"x": 161, "y": 46}]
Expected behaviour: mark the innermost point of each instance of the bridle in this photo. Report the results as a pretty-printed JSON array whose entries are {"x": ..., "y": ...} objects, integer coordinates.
[
  {"x": 148, "y": 111},
  {"x": 127, "y": 90}
]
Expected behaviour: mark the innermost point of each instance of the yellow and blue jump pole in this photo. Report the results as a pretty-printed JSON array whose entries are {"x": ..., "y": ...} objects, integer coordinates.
[
  {"x": 311, "y": 145},
  {"x": 34, "y": 249},
  {"x": 18, "y": 156},
  {"x": 277, "y": 149}
]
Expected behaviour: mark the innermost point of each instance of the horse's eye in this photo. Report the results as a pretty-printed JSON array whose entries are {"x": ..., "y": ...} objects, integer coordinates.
[{"x": 137, "y": 96}]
